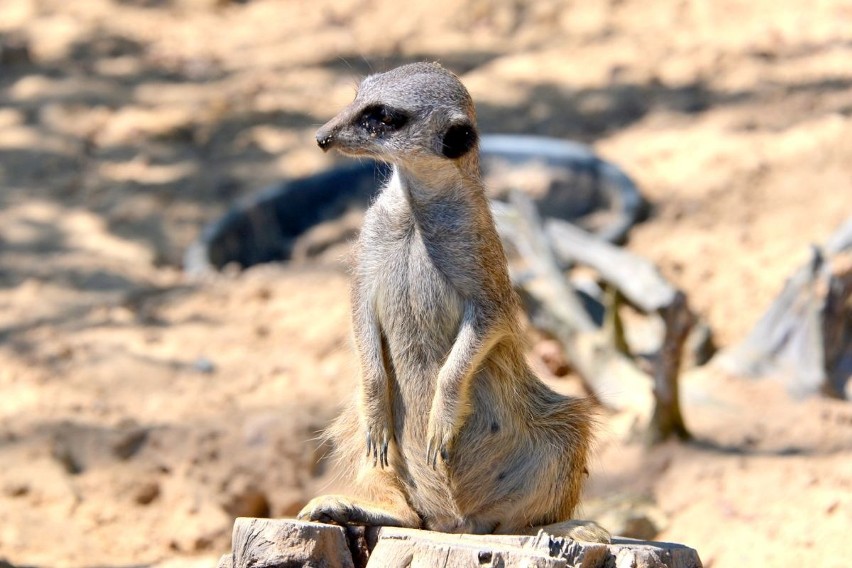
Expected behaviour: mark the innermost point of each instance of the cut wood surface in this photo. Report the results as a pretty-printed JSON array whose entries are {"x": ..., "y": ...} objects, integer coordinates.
[{"x": 280, "y": 543}]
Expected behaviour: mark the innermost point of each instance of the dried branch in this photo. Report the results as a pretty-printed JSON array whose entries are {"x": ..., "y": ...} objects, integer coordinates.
[{"x": 600, "y": 360}]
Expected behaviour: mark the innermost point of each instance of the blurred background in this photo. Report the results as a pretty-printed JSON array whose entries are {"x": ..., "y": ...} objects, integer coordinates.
[{"x": 141, "y": 411}]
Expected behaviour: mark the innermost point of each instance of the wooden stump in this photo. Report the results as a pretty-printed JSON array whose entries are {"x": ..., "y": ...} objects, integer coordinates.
[
  {"x": 280, "y": 543},
  {"x": 805, "y": 337},
  {"x": 269, "y": 543}
]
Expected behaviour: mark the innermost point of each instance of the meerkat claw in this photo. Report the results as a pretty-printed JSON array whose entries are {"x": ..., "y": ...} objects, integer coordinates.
[
  {"x": 378, "y": 450},
  {"x": 384, "y": 452},
  {"x": 434, "y": 450},
  {"x": 439, "y": 443},
  {"x": 372, "y": 447}
]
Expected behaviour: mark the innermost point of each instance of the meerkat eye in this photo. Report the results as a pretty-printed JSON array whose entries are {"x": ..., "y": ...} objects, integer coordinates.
[
  {"x": 458, "y": 140},
  {"x": 380, "y": 118}
]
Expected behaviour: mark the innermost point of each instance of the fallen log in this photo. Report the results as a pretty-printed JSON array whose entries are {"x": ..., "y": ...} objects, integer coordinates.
[{"x": 280, "y": 543}]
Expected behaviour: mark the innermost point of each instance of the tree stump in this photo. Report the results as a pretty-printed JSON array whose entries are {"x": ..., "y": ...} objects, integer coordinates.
[
  {"x": 805, "y": 337},
  {"x": 268, "y": 543},
  {"x": 285, "y": 543}
]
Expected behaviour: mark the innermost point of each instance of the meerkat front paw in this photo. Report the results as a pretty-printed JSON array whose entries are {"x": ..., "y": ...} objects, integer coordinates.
[
  {"x": 379, "y": 439},
  {"x": 440, "y": 436}
]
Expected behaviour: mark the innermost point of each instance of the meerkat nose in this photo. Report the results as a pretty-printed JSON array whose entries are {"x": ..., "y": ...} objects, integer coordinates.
[{"x": 324, "y": 139}]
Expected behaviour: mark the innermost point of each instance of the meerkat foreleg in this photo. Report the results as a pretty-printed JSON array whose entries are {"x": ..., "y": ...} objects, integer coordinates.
[
  {"x": 451, "y": 402},
  {"x": 374, "y": 396}
]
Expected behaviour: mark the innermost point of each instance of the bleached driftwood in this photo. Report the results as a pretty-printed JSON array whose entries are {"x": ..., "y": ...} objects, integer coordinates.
[
  {"x": 596, "y": 356},
  {"x": 280, "y": 543}
]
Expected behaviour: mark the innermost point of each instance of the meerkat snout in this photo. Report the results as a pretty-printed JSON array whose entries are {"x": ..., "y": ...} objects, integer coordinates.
[
  {"x": 324, "y": 140},
  {"x": 355, "y": 128}
]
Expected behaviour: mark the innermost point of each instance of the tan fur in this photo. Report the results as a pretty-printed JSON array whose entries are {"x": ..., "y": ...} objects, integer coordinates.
[{"x": 459, "y": 434}]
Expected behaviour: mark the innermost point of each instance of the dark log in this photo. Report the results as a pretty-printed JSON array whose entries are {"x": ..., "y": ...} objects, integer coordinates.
[{"x": 837, "y": 327}]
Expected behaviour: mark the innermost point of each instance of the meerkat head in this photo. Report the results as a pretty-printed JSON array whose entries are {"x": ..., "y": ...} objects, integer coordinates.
[{"x": 417, "y": 113}]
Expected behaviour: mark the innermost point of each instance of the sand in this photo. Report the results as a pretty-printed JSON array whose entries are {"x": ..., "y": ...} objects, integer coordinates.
[{"x": 140, "y": 412}]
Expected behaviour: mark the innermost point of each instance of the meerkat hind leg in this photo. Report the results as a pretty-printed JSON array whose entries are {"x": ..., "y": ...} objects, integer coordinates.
[
  {"x": 345, "y": 510},
  {"x": 387, "y": 506}
]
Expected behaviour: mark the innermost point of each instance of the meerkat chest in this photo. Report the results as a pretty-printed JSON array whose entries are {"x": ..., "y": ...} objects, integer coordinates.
[{"x": 418, "y": 306}]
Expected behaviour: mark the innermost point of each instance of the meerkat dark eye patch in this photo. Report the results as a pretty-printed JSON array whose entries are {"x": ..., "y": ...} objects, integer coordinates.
[
  {"x": 458, "y": 140},
  {"x": 378, "y": 119}
]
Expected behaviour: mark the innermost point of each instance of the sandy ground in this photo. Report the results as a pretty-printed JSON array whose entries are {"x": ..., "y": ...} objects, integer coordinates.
[{"x": 141, "y": 412}]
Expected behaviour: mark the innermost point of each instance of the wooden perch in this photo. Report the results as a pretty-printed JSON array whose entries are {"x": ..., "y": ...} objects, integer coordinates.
[
  {"x": 554, "y": 306},
  {"x": 268, "y": 543},
  {"x": 280, "y": 543},
  {"x": 805, "y": 337}
]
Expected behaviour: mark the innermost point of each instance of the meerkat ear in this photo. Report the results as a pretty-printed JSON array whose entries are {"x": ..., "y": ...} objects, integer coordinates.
[{"x": 458, "y": 140}]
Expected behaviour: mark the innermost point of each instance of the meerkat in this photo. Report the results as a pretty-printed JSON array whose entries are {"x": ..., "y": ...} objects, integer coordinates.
[{"x": 450, "y": 430}]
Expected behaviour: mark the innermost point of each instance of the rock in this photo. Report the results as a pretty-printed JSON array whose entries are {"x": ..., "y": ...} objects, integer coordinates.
[
  {"x": 145, "y": 493},
  {"x": 204, "y": 366},
  {"x": 248, "y": 501},
  {"x": 128, "y": 441},
  {"x": 639, "y": 526},
  {"x": 630, "y": 516}
]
